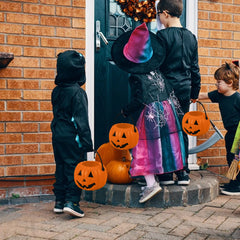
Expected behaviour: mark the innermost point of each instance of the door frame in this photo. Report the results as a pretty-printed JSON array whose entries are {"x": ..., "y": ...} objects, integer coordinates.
[{"x": 191, "y": 24}]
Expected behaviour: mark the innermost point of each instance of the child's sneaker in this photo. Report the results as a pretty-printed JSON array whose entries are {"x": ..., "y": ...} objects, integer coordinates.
[
  {"x": 73, "y": 209},
  {"x": 58, "y": 208},
  {"x": 183, "y": 178},
  {"x": 231, "y": 191},
  {"x": 149, "y": 192},
  {"x": 166, "y": 179}
]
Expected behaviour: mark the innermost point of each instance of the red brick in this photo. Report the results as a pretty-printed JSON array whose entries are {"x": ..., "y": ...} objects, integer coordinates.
[
  {"x": 37, "y": 94},
  {"x": 23, "y": 40},
  {"x": 79, "y": 44},
  {"x": 21, "y": 148},
  {"x": 10, "y": 94},
  {"x": 2, "y": 83},
  {"x": 10, "y": 160},
  {"x": 36, "y": 137},
  {"x": 39, "y": 30},
  {"x": 11, "y": 72},
  {"x": 11, "y": 138},
  {"x": 46, "y": 184},
  {"x": 21, "y": 127},
  {"x": 57, "y": 2},
  {"x": 11, "y": 28},
  {"x": 1, "y": 17},
  {"x": 203, "y": 5},
  {"x": 22, "y": 18},
  {"x": 78, "y": 23},
  {"x": 51, "y": 42},
  {"x": 39, "y": 9},
  {"x": 22, "y": 84},
  {"x": 45, "y": 84},
  {"x": 22, "y": 106},
  {"x": 2, "y": 128},
  {"x": 45, "y": 127},
  {"x": 21, "y": 170},
  {"x": 37, "y": 116},
  {"x": 38, "y": 159},
  {"x": 46, "y": 147},
  {"x": 39, "y": 73},
  {"x": 70, "y": 12},
  {"x": 47, "y": 169},
  {"x": 2, "y": 150},
  {"x": 16, "y": 50},
  {"x": 48, "y": 63},
  {"x": 10, "y": 6},
  {"x": 70, "y": 32},
  {"x": 79, "y": 3},
  {"x": 221, "y": 17},
  {"x": 25, "y": 62},
  {"x": 10, "y": 116},
  {"x": 46, "y": 106},
  {"x": 56, "y": 21},
  {"x": 12, "y": 182},
  {"x": 39, "y": 52}
]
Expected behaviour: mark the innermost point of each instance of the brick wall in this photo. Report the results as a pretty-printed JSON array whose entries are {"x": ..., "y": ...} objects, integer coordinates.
[
  {"x": 219, "y": 41},
  {"x": 35, "y": 31}
]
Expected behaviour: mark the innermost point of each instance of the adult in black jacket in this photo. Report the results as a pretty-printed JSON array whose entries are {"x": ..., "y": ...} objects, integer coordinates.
[{"x": 71, "y": 135}]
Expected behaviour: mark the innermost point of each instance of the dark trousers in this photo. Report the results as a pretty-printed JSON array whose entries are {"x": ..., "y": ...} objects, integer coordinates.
[
  {"x": 229, "y": 138},
  {"x": 67, "y": 155}
]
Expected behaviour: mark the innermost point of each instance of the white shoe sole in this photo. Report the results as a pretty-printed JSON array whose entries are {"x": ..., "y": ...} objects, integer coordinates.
[
  {"x": 170, "y": 182},
  {"x": 72, "y": 212},
  {"x": 230, "y": 193},
  {"x": 183, "y": 182},
  {"x": 157, "y": 190},
  {"x": 57, "y": 210}
]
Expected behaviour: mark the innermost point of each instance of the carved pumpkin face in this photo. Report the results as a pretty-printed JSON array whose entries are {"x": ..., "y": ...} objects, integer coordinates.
[
  {"x": 195, "y": 123},
  {"x": 90, "y": 175},
  {"x": 123, "y": 136}
]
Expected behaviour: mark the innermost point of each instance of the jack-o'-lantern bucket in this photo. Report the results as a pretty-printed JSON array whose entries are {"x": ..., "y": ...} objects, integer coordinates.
[
  {"x": 196, "y": 123},
  {"x": 90, "y": 175},
  {"x": 123, "y": 136}
]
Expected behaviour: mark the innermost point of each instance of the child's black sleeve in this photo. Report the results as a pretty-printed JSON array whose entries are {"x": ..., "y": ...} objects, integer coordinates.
[{"x": 80, "y": 115}]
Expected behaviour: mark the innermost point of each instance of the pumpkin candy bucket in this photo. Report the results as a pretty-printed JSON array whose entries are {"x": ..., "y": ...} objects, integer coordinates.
[
  {"x": 90, "y": 175},
  {"x": 123, "y": 136},
  {"x": 196, "y": 123}
]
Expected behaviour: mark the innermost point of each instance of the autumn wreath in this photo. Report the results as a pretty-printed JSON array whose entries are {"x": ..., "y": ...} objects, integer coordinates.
[{"x": 138, "y": 10}]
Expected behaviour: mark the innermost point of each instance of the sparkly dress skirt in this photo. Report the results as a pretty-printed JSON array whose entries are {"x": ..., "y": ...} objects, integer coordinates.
[{"x": 161, "y": 147}]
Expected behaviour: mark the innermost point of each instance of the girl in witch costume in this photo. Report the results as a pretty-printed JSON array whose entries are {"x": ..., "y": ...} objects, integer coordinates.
[
  {"x": 71, "y": 135},
  {"x": 160, "y": 148}
]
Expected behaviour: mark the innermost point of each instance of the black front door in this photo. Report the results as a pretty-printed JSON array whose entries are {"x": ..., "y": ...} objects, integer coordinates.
[{"x": 111, "y": 84}]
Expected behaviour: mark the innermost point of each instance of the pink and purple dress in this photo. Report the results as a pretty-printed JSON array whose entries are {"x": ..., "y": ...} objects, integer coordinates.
[{"x": 161, "y": 147}]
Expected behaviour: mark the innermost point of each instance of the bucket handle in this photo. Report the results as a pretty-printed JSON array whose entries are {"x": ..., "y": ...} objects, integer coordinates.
[{"x": 206, "y": 116}]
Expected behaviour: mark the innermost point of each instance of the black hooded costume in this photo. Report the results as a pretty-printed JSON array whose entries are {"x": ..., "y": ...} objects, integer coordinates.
[{"x": 71, "y": 135}]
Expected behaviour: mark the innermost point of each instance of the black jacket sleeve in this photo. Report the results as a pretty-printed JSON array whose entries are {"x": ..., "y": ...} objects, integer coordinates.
[
  {"x": 136, "y": 96},
  {"x": 80, "y": 114}
]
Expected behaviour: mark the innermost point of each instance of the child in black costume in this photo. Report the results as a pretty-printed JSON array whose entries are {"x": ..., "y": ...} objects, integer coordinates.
[
  {"x": 228, "y": 98},
  {"x": 71, "y": 135},
  {"x": 179, "y": 64}
]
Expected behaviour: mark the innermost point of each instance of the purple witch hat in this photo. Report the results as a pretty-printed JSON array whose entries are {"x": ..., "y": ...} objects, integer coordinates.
[{"x": 137, "y": 51}]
